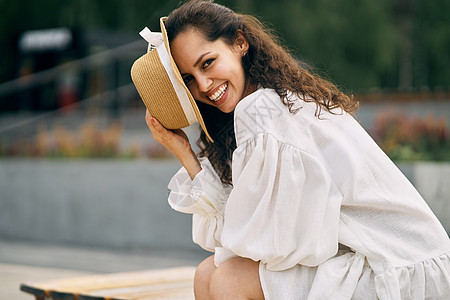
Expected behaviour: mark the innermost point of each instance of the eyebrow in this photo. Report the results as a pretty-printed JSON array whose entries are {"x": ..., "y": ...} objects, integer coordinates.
[{"x": 200, "y": 58}]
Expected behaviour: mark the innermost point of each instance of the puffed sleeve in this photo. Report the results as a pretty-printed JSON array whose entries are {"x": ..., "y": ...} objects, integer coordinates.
[
  {"x": 284, "y": 208},
  {"x": 205, "y": 198}
]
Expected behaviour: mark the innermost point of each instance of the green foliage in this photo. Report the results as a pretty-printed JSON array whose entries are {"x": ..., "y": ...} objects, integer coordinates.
[
  {"x": 351, "y": 42},
  {"x": 400, "y": 44},
  {"x": 404, "y": 138}
]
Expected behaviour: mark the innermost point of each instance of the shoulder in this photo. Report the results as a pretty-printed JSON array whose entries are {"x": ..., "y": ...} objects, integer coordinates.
[
  {"x": 259, "y": 112},
  {"x": 309, "y": 127},
  {"x": 259, "y": 101},
  {"x": 265, "y": 112}
]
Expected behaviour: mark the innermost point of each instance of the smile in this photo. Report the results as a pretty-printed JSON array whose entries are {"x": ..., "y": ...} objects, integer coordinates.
[{"x": 219, "y": 93}]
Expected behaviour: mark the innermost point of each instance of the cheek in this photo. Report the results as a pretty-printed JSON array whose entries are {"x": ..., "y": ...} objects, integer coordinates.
[
  {"x": 222, "y": 71},
  {"x": 232, "y": 71},
  {"x": 238, "y": 70},
  {"x": 230, "y": 66},
  {"x": 197, "y": 95}
]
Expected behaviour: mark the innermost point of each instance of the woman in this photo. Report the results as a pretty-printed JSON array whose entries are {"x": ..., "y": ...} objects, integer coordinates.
[{"x": 313, "y": 208}]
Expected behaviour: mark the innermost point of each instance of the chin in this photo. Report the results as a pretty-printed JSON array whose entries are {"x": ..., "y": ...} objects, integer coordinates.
[{"x": 227, "y": 111}]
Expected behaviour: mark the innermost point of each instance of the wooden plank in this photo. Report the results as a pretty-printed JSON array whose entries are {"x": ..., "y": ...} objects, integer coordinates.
[
  {"x": 174, "y": 282},
  {"x": 37, "y": 292},
  {"x": 184, "y": 288},
  {"x": 144, "y": 289}
]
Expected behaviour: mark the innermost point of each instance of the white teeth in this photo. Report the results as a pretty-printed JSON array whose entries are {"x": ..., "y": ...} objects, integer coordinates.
[{"x": 219, "y": 93}]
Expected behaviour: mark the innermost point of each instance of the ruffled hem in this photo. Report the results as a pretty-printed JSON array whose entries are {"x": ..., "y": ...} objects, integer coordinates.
[
  {"x": 428, "y": 279},
  {"x": 349, "y": 276}
]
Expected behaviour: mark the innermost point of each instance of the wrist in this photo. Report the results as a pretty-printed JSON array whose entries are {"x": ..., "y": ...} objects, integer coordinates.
[{"x": 191, "y": 163}]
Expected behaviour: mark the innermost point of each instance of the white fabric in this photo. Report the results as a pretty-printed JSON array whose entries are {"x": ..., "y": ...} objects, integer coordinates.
[
  {"x": 155, "y": 40},
  {"x": 205, "y": 197},
  {"x": 303, "y": 231},
  {"x": 320, "y": 206}
]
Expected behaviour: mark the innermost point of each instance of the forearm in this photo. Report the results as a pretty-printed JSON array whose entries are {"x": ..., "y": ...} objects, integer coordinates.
[
  {"x": 191, "y": 163},
  {"x": 177, "y": 142}
]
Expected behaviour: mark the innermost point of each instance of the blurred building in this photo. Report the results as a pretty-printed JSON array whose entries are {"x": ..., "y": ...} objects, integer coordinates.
[{"x": 59, "y": 67}]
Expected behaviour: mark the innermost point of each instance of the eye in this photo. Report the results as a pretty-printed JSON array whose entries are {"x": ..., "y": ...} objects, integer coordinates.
[
  {"x": 207, "y": 63},
  {"x": 188, "y": 79}
]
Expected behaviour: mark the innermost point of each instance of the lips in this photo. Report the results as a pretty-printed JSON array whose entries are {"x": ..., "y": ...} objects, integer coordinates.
[{"x": 219, "y": 92}]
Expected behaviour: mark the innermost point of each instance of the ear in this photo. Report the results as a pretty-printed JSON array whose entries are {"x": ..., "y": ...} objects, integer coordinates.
[{"x": 241, "y": 43}]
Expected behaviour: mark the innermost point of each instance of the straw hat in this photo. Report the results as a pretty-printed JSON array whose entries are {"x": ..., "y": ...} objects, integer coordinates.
[{"x": 160, "y": 85}]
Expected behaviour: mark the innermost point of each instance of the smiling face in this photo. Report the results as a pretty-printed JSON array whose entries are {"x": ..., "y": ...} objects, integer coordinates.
[{"x": 212, "y": 71}]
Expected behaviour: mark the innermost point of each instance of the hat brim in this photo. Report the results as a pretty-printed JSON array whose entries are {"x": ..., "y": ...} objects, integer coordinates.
[
  {"x": 178, "y": 75},
  {"x": 161, "y": 86}
]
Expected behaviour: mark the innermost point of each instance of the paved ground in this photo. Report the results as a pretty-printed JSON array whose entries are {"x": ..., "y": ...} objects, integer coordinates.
[{"x": 27, "y": 262}]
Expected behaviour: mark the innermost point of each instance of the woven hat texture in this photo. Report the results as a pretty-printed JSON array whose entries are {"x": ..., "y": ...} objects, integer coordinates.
[{"x": 161, "y": 86}]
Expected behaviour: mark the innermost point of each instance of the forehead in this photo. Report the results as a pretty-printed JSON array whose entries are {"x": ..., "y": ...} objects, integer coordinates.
[
  {"x": 186, "y": 46},
  {"x": 190, "y": 44},
  {"x": 189, "y": 38}
]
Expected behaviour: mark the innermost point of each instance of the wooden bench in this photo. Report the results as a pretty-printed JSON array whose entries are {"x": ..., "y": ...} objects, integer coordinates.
[{"x": 174, "y": 283}]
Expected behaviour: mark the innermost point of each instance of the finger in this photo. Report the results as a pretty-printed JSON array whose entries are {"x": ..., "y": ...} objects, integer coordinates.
[
  {"x": 181, "y": 133},
  {"x": 148, "y": 116},
  {"x": 152, "y": 122},
  {"x": 157, "y": 126}
]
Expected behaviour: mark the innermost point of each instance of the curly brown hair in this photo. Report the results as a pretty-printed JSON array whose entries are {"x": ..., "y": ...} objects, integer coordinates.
[{"x": 268, "y": 64}]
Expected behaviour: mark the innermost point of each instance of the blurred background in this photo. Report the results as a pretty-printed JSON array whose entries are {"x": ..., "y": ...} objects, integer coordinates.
[{"x": 83, "y": 187}]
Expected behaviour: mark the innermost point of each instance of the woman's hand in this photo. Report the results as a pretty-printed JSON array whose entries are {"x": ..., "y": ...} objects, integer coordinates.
[{"x": 177, "y": 142}]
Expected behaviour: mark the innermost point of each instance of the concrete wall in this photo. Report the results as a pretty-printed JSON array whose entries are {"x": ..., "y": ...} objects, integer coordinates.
[
  {"x": 91, "y": 202},
  {"x": 432, "y": 180},
  {"x": 116, "y": 203}
]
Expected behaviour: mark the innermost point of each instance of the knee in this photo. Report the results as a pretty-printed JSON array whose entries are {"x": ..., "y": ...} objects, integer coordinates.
[
  {"x": 231, "y": 277},
  {"x": 202, "y": 278}
]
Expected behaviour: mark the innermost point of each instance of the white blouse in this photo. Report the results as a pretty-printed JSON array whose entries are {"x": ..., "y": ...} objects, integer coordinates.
[{"x": 319, "y": 205}]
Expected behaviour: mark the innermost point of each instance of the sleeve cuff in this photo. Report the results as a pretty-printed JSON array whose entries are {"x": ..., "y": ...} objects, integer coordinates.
[{"x": 205, "y": 195}]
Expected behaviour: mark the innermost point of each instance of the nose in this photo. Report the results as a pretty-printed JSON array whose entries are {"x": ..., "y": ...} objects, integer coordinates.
[{"x": 204, "y": 83}]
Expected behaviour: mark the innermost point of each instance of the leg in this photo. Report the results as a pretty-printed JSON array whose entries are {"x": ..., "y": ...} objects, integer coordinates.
[
  {"x": 202, "y": 278},
  {"x": 236, "y": 278}
]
